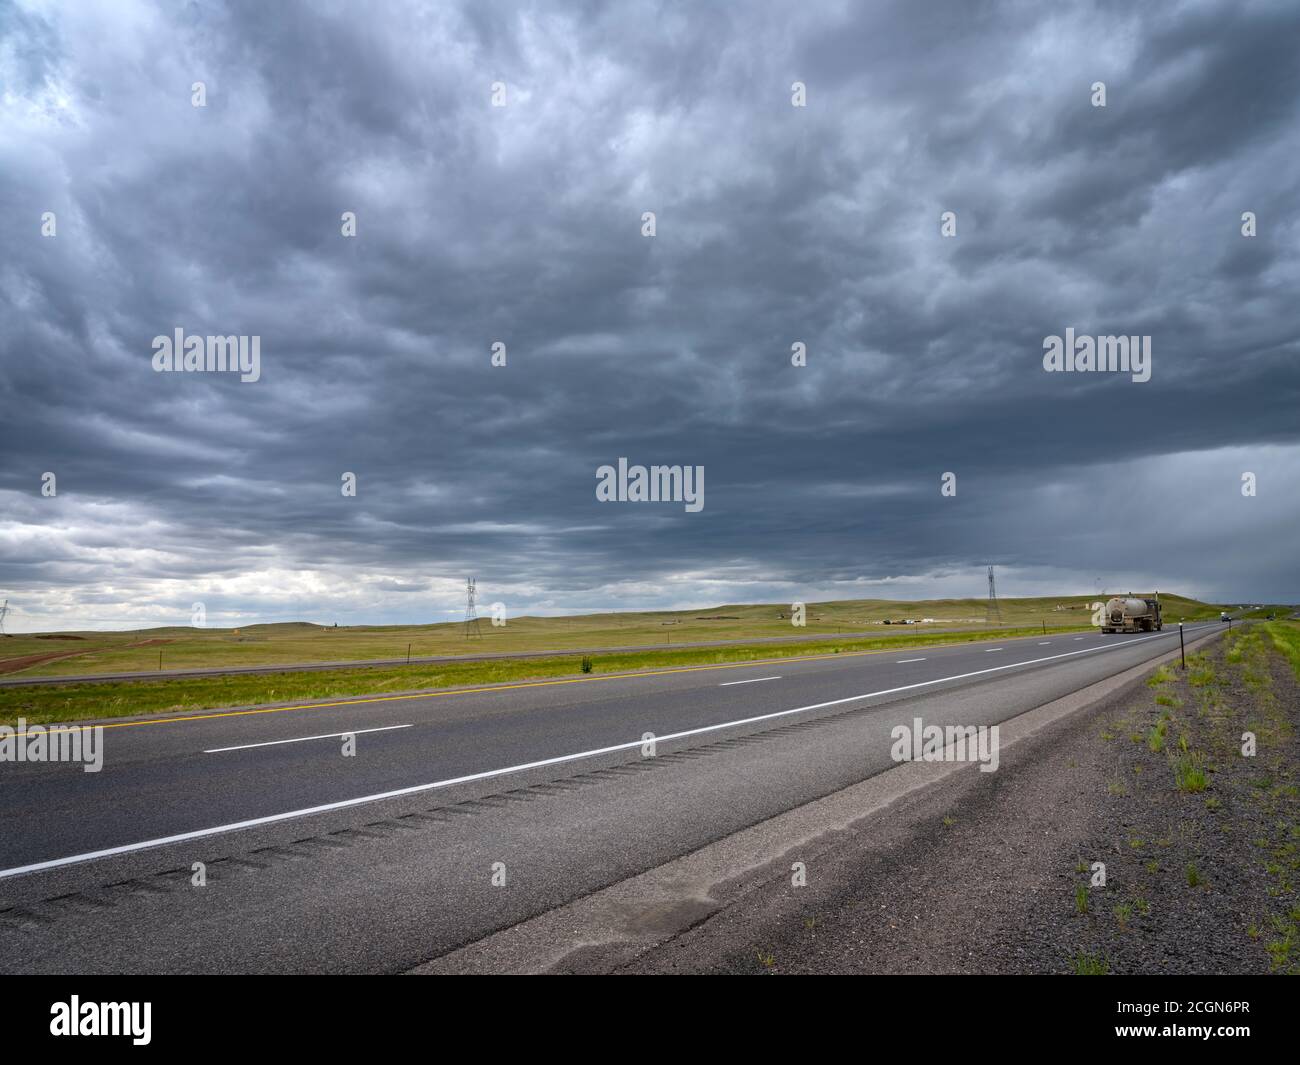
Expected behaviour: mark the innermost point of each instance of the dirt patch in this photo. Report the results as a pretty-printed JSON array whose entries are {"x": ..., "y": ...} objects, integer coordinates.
[
  {"x": 13, "y": 665},
  {"x": 148, "y": 643}
]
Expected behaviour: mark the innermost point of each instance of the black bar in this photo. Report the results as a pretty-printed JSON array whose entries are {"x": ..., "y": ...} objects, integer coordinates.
[{"x": 1014, "y": 1012}]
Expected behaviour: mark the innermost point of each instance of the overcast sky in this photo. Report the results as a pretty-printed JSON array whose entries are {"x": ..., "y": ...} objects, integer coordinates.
[{"x": 522, "y": 223}]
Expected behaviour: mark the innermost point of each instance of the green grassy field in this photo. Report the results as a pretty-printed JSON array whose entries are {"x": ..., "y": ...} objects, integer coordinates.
[
  {"x": 299, "y": 642},
  {"x": 1286, "y": 638},
  {"x": 100, "y": 700}
]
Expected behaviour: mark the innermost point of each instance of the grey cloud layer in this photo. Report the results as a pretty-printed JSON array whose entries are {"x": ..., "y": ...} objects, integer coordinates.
[{"x": 521, "y": 224}]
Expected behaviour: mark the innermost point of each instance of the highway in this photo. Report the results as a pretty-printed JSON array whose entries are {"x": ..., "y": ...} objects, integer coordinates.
[
  {"x": 317, "y": 861},
  {"x": 19, "y": 679}
]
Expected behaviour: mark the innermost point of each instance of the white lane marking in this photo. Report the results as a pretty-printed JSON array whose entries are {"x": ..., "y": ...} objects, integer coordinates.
[
  {"x": 901, "y": 661},
  {"x": 304, "y": 739},
  {"x": 990, "y": 650},
  {"x": 181, "y": 837},
  {"x": 1044, "y": 643},
  {"x": 752, "y": 680},
  {"x": 1078, "y": 637}
]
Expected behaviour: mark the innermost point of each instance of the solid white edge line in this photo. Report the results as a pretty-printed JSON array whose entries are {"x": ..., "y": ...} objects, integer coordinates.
[
  {"x": 304, "y": 739},
  {"x": 234, "y": 826},
  {"x": 752, "y": 680}
]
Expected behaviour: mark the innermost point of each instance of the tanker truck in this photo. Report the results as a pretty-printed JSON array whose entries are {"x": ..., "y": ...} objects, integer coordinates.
[{"x": 1132, "y": 613}]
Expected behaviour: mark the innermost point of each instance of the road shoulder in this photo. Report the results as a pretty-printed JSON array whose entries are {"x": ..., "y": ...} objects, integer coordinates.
[
  {"x": 1003, "y": 873},
  {"x": 925, "y": 868}
]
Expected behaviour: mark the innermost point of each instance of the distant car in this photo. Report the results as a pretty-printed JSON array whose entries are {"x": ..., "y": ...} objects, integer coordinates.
[{"x": 1225, "y": 616}]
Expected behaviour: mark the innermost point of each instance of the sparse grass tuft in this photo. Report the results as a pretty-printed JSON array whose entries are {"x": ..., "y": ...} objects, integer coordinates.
[
  {"x": 1188, "y": 774},
  {"x": 1163, "y": 675},
  {"x": 1089, "y": 965}
]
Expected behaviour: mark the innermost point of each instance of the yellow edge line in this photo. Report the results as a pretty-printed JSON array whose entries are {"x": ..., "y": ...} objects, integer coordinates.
[{"x": 504, "y": 687}]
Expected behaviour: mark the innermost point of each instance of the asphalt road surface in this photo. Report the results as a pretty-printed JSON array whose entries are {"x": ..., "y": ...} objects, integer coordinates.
[{"x": 319, "y": 861}]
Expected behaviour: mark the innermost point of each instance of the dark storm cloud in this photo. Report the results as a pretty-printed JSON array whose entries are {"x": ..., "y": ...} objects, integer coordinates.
[{"x": 522, "y": 224}]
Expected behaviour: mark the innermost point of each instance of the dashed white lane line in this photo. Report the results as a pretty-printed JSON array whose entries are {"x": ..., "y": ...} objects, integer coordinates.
[
  {"x": 990, "y": 650},
  {"x": 902, "y": 661},
  {"x": 752, "y": 680},
  {"x": 304, "y": 739},
  {"x": 488, "y": 774},
  {"x": 1044, "y": 643},
  {"x": 1078, "y": 637}
]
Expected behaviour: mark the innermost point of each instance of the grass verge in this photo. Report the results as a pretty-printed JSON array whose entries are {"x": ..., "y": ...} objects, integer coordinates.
[
  {"x": 94, "y": 700},
  {"x": 1202, "y": 816}
]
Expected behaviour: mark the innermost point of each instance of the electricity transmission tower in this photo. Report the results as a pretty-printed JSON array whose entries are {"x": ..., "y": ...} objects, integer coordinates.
[
  {"x": 994, "y": 612},
  {"x": 4, "y": 609},
  {"x": 471, "y": 610}
]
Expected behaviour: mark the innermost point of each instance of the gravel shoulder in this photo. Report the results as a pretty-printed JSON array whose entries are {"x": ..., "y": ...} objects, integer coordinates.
[{"x": 997, "y": 872}]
